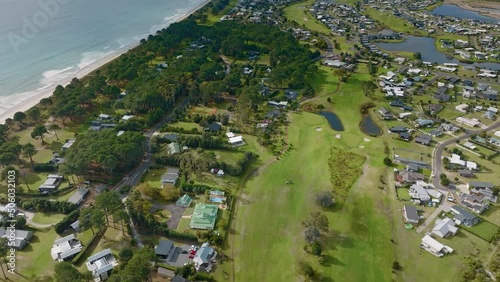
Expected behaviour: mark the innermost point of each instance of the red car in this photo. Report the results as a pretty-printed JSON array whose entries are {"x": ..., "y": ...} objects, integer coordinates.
[
  {"x": 193, "y": 252},
  {"x": 191, "y": 256}
]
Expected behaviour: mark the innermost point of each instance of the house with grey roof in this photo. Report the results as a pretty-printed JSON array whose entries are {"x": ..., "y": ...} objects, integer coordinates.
[
  {"x": 101, "y": 264},
  {"x": 16, "y": 238},
  {"x": 464, "y": 217},
  {"x": 445, "y": 228},
  {"x": 410, "y": 176},
  {"x": 204, "y": 258},
  {"x": 51, "y": 183},
  {"x": 410, "y": 214},
  {"x": 423, "y": 139},
  {"x": 170, "y": 177},
  {"x": 474, "y": 202},
  {"x": 78, "y": 197},
  {"x": 480, "y": 185},
  {"x": 165, "y": 250},
  {"x": 419, "y": 193}
]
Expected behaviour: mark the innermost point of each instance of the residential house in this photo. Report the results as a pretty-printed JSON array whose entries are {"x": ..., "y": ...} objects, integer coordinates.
[
  {"x": 279, "y": 105},
  {"x": 78, "y": 197},
  {"x": 434, "y": 108},
  {"x": 480, "y": 185},
  {"x": 68, "y": 144},
  {"x": 20, "y": 238},
  {"x": 423, "y": 122},
  {"x": 445, "y": 228},
  {"x": 173, "y": 148},
  {"x": 436, "y": 132},
  {"x": 101, "y": 264},
  {"x": 204, "y": 216},
  {"x": 465, "y": 173},
  {"x": 273, "y": 114},
  {"x": 486, "y": 193},
  {"x": 204, "y": 258},
  {"x": 415, "y": 163},
  {"x": 410, "y": 214},
  {"x": 423, "y": 139},
  {"x": 386, "y": 114},
  {"x": 406, "y": 136},
  {"x": 65, "y": 248},
  {"x": 457, "y": 162},
  {"x": 434, "y": 247},
  {"x": 442, "y": 97},
  {"x": 419, "y": 193},
  {"x": 51, "y": 183},
  {"x": 184, "y": 201},
  {"x": 172, "y": 137},
  {"x": 235, "y": 140},
  {"x": 398, "y": 129},
  {"x": 170, "y": 177},
  {"x": 165, "y": 250},
  {"x": 463, "y": 217},
  {"x": 213, "y": 127},
  {"x": 410, "y": 177},
  {"x": 476, "y": 202},
  {"x": 449, "y": 127},
  {"x": 291, "y": 95},
  {"x": 469, "y": 122}
]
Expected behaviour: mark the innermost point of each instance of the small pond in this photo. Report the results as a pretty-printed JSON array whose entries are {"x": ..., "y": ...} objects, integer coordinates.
[
  {"x": 457, "y": 12},
  {"x": 333, "y": 120},
  {"x": 368, "y": 126}
]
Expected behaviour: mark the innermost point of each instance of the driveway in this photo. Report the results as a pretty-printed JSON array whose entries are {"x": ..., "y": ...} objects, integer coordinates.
[{"x": 176, "y": 213}]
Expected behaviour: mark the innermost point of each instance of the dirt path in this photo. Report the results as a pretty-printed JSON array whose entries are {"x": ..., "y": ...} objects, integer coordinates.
[{"x": 29, "y": 220}]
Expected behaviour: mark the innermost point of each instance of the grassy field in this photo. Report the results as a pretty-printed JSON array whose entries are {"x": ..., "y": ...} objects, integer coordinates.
[
  {"x": 390, "y": 21},
  {"x": 186, "y": 125},
  {"x": 485, "y": 230},
  {"x": 298, "y": 13},
  {"x": 35, "y": 260},
  {"x": 47, "y": 218}
]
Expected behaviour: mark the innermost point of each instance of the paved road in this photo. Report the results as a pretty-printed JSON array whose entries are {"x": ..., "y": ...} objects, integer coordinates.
[
  {"x": 135, "y": 176},
  {"x": 437, "y": 165},
  {"x": 438, "y": 151}
]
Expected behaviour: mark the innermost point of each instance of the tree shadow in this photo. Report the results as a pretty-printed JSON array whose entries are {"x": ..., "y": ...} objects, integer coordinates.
[
  {"x": 330, "y": 260},
  {"x": 55, "y": 146}
]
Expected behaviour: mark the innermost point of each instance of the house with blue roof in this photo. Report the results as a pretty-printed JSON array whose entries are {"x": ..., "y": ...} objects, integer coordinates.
[{"x": 204, "y": 258}]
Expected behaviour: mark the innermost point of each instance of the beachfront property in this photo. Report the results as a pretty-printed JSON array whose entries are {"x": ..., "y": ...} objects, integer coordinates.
[
  {"x": 101, "y": 264},
  {"x": 445, "y": 228},
  {"x": 204, "y": 258},
  {"x": 170, "y": 177},
  {"x": 21, "y": 238},
  {"x": 51, "y": 183},
  {"x": 65, "y": 248},
  {"x": 184, "y": 201},
  {"x": 78, "y": 197},
  {"x": 461, "y": 216},
  {"x": 434, "y": 247},
  {"x": 204, "y": 216}
]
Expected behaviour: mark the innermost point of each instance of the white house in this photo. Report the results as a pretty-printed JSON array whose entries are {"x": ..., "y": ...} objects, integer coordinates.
[
  {"x": 445, "y": 228},
  {"x": 469, "y": 122},
  {"x": 434, "y": 247},
  {"x": 101, "y": 264},
  {"x": 65, "y": 248},
  {"x": 204, "y": 258}
]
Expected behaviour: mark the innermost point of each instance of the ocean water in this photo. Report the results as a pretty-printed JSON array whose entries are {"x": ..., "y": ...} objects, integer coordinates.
[{"x": 43, "y": 42}]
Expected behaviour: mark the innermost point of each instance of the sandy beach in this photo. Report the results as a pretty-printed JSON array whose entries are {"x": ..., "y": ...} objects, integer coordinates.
[
  {"x": 478, "y": 7},
  {"x": 25, "y": 101}
]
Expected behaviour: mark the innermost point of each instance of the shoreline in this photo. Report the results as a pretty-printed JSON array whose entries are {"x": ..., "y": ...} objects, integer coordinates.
[
  {"x": 33, "y": 100},
  {"x": 477, "y": 8}
]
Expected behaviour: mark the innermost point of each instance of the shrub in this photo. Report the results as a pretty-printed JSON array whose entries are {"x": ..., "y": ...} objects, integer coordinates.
[{"x": 67, "y": 221}]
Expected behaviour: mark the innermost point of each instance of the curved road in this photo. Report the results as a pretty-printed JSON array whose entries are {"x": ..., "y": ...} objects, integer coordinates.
[{"x": 438, "y": 151}]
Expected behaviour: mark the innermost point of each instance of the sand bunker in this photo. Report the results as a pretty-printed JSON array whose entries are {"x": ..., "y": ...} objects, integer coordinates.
[
  {"x": 319, "y": 129},
  {"x": 367, "y": 140},
  {"x": 338, "y": 136},
  {"x": 361, "y": 147}
]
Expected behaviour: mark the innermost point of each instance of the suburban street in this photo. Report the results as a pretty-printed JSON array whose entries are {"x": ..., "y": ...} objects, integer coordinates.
[{"x": 436, "y": 171}]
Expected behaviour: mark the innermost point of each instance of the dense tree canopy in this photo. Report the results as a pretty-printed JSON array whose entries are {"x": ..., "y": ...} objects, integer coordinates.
[{"x": 101, "y": 153}]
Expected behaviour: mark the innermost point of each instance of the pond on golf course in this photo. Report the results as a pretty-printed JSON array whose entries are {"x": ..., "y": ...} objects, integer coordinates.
[
  {"x": 368, "y": 126},
  {"x": 333, "y": 120}
]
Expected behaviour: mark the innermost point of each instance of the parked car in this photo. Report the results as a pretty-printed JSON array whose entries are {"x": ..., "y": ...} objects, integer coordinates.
[
  {"x": 184, "y": 252},
  {"x": 191, "y": 256}
]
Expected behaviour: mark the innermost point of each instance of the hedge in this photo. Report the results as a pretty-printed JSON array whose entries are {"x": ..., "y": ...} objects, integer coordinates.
[
  {"x": 44, "y": 167},
  {"x": 195, "y": 188},
  {"x": 46, "y": 205},
  {"x": 87, "y": 245},
  {"x": 41, "y": 195},
  {"x": 67, "y": 221}
]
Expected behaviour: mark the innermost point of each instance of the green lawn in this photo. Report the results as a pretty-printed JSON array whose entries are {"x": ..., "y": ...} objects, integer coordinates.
[
  {"x": 47, "y": 218},
  {"x": 227, "y": 156},
  {"x": 35, "y": 260},
  {"x": 485, "y": 230},
  {"x": 186, "y": 125},
  {"x": 153, "y": 177},
  {"x": 298, "y": 12},
  {"x": 390, "y": 21}
]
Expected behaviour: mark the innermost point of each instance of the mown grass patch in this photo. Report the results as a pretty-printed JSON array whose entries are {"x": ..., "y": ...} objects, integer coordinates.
[
  {"x": 485, "y": 230},
  {"x": 345, "y": 168}
]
